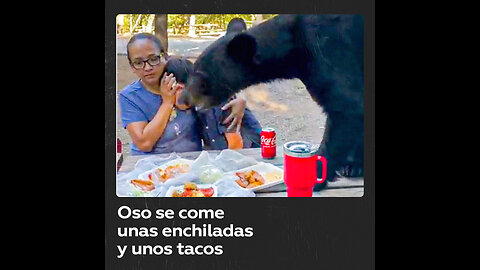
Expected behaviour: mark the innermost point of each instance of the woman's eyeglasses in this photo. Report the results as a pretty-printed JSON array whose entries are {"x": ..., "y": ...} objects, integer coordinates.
[{"x": 152, "y": 61}]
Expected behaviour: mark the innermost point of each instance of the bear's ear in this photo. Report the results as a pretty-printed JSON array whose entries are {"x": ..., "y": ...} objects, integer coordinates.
[{"x": 242, "y": 48}]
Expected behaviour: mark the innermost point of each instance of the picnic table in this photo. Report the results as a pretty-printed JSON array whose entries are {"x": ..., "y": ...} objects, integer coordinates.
[{"x": 343, "y": 187}]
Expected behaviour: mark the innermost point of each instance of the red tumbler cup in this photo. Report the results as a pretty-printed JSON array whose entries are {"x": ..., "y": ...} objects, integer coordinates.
[{"x": 300, "y": 168}]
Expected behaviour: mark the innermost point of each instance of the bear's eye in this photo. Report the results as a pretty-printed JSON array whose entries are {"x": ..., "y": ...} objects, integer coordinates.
[
  {"x": 202, "y": 85},
  {"x": 201, "y": 82}
]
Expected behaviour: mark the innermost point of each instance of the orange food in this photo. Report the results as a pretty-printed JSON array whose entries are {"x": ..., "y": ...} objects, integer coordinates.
[
  {"x": 191, "y": 190},
  {"x": 190, "y": 186},
  {"x": 192, "y": 193},
  {"x": 144, "y": 185},
  {"x": 207, "y": 192},
  {"x": 169, "y": 172},
  {"x": 249, "y": 179},
  {"x": 174, "y": 170},
  {"x": 234, "y": 140}
]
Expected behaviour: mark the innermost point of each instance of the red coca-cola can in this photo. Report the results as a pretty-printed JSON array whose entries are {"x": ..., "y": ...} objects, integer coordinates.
[{"x": 268, "y": 139}]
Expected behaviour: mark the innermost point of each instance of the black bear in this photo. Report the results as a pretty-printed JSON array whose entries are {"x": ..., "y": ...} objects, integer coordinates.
[{"x": 324, "y": 51}]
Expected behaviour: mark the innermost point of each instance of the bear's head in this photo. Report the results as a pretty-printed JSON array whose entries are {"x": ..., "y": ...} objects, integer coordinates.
[{"x": 223, "y": 69}]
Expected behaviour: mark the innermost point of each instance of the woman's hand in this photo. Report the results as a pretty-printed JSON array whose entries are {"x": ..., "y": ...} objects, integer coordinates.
[
  {"x": 146, "y": 134},
  {"x": 167, "y": 88},
  {"x": 238, "y": 106}
]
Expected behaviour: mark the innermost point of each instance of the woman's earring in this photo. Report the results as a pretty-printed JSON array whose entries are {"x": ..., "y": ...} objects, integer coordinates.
[{"x": 173, "y": 115}]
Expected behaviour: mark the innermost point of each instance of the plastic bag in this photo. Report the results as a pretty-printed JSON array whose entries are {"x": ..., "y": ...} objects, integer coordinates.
[
  {"x": 204, "y": 167},
  {"x": 230, "y": 160},
  {"x": 272, "y": 175},
  {"x": 124, "y": 185},
  {"x": 227, "y": 160},
  {"x": 225, "y": 185}
]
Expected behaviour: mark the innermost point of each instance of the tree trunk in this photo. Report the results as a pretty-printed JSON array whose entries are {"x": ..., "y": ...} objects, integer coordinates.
[
  {"x": 161, "y": 27},
  {"x": 132, "y": 27},
  {"x": 130, "y": 23},
  {"x": 150, "y": 21},
  {"x": 191, "y": 28},
  {"x": 120, "y": 19},
  {"x": 258, "y": 19}
]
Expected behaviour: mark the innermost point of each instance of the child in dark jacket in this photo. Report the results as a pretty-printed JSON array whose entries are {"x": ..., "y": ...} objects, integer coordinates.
[{"x": 215, "y": 134}]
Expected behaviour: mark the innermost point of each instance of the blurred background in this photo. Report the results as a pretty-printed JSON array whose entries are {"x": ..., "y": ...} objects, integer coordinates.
[{"x": 284, "y": 105}]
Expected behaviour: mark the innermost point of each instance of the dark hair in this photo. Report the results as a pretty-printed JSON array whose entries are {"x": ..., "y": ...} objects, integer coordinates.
[
  {"x": 236, "y": 25},
  {"x": 180, "y": 67},
  {"x": 148, "y": 36}
]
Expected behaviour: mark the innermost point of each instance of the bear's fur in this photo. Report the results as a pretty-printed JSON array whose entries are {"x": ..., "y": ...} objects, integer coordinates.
[{"x": 324, "y": 51}]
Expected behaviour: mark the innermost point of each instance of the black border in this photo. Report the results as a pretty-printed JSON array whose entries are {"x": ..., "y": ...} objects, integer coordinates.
[{"x": 320, "y": 233}]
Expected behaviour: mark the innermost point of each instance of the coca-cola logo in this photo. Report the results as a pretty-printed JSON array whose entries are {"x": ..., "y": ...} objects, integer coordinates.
[{"x": 268, "y": 141}]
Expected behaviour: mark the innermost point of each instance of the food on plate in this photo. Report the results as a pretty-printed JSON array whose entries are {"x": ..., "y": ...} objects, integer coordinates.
[
  {"x": 249, "y": 179},
  {"x": 190, "y": 186},
  {"x": 144, "y": 185},
  {"x": 210, "y": 175},
  {"x": 273, "y": 176},
  {"x": 171, "y": 171},
  {"x": 191, "y": 190}
]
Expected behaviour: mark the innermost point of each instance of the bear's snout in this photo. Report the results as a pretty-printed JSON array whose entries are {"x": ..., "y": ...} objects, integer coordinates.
[{"x": 184, "y": 99}]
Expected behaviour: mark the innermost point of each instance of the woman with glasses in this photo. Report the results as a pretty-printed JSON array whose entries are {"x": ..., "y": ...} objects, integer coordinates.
[{"x": 148, "y": 104}]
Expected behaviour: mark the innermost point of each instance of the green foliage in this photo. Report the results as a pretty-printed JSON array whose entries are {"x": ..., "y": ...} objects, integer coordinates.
[
  {"x": 221, "y": 19},
  {"x": 269, "y": 16},
  {"x": 179, "y": 23}
]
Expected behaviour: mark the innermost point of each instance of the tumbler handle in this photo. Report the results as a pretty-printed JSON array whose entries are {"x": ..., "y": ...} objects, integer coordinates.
[{"x": 324, "y": 169}]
